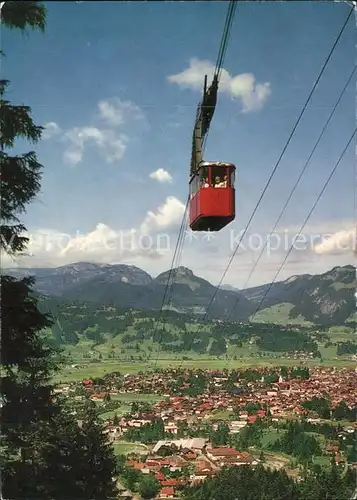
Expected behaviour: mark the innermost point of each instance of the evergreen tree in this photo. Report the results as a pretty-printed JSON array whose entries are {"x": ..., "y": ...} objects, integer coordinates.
[
  {"x": 149, "y": 487},
  {"x": 27, "y": 365},
  {"x": 45, "y": 453},
  {"x": 221, "y": 435},
  {"x": 23, "y": 15},
  {"x": 246, "y": 483}
]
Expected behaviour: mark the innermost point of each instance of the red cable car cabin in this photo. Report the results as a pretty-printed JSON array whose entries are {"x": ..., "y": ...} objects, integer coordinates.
[{"x": 212, "y": 196}]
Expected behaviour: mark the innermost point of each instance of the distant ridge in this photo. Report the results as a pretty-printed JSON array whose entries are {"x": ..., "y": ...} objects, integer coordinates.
[{"x": 327, "y": 298}]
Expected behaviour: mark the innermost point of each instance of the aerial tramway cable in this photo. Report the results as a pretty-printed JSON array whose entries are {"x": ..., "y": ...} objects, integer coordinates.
[
  {"x": 275, "y": 168},
  {"x": 307, "y": 218},
  {"x": 281, "y": 155},
  {"x": 296, "y": 185},
  {"x": 214, "y": 87},
  {"x": 220, "y": 60},
  {"x": 225, "y": 38},
  {"x": 304, "y": 223},
  {"x": 172, "y": 274}
]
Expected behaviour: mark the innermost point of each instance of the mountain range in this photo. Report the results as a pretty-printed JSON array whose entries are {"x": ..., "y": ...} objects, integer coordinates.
[{"x": 327, "y": 298}]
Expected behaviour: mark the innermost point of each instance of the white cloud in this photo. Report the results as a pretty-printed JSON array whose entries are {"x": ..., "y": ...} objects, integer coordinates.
[
  {"x": 105, "y": 244},
  {"x": 161, "y": 175},
  {"x": 108, "y": 137},
  {"x": 152, "y": 243},
  {"x": 73, "y": 156},
  {"x": 51, "y": 129},
  {"x": 168, "y": 214},
  {"x": 243, "y": 86},
  {"x": 321, "y": 227},
  {"x": 116, "y": 112},
  {"x": 338, "y": 243},
  {"x": 111, "y": 144}
]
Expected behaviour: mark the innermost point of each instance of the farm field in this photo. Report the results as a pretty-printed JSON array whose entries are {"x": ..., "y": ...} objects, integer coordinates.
[
  {"x": 79, "y": 372},
  {"x": 123, "y": 448},
  {"x": 125, "y": 401}
]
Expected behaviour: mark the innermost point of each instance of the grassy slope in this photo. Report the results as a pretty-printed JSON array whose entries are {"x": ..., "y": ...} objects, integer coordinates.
[
  {"x": 280, "y": 314},
  {"x": 127, "y": 356},
  {"x": 340, "y": 334}
]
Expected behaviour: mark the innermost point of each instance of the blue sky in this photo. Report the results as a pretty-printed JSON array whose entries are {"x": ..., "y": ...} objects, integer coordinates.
[{"x": 102, "y": 70}]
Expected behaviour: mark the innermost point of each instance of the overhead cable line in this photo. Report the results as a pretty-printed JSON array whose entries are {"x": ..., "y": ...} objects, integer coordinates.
[
  {"x": 212, "y": 93},
  {"x": 296, "y": 184},
  {"x": 225, "y": 38},
  {"x": 306, "y": 220},
  {"x": 280, "y": 157},
  {"x": 171, "y": 276},
  {"x": 220, "y": 59},
  {"x": 275, "y": 168}
]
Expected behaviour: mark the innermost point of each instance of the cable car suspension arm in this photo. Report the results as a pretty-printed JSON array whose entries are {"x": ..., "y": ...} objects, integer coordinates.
[{"x": 206, "y": 108}]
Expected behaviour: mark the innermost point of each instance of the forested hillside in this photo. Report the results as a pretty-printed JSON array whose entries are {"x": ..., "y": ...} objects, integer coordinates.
[
  {"x": 319, "y": 299},
  {"x": 113, "y": 332}
]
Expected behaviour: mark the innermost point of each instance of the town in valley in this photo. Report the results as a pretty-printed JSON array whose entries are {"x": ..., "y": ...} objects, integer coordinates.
[
  {"x": 182, "y": 426},
  {"x": 178, "y": 322}
]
